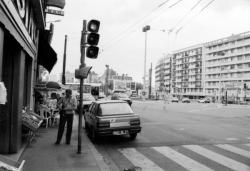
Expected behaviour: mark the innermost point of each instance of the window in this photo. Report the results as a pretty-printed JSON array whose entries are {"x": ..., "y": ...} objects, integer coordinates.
[{"x": 115, "y": 108}]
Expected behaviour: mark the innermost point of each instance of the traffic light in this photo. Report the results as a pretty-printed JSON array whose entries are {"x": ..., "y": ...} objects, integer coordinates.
[{"x": 93, "y": 39}]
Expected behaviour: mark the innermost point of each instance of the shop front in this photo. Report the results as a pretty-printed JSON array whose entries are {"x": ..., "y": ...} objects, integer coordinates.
[{"x": 20, "y": 24}]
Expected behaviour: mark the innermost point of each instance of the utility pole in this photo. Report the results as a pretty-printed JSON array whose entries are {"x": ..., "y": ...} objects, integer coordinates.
[
  {"x": 64, "y": 60},
  {"x": 82, "y": 60},
  {"x": 107, "y": 79},
  {"x": 150, "y": 82}
]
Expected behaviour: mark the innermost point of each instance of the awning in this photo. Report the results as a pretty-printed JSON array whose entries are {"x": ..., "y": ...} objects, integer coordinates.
[{"x": 47, "y": 57}]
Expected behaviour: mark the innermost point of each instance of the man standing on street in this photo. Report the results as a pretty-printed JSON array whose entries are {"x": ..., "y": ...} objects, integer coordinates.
[{"x": 67, "y": 106}]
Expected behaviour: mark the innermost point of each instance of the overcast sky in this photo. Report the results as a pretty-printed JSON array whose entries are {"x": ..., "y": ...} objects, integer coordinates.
[{"x": 122, "y": 41}]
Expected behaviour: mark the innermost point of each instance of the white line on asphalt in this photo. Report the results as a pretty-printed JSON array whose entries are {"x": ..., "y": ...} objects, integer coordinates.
[
  {"x": 232, "y": 139},
  {"x": 181, "y": 159},
  {"x": 235, "y": 150},
  {"x": 139, "y": 159},
  {"x": 247, "y": 144},
  {"x": 232, "y": 164},
  {"x": 248, "y": 138}
]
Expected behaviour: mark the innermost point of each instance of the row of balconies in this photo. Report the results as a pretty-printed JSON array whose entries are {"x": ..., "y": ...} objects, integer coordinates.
[
  {"x": 227, "y": 47},
  {"x": 242, "y": 52}
]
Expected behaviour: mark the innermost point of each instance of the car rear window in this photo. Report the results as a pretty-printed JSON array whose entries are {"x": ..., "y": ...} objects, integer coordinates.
[{"x": 114, "y": 108}]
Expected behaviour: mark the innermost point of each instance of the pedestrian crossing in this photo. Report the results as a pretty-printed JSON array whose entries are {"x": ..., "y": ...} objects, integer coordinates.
[{"x": 190, "y": 157}]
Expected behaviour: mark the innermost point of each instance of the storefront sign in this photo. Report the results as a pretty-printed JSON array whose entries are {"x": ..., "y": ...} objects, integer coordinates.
[
  {"x": 27, "y": 15},
  {"x": 55, "y": 12}
]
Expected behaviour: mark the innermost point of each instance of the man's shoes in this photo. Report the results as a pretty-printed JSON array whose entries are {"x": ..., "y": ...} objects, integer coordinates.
[
  {"x": 57, "y": 143},
  {"x": 68, "y": 143}
]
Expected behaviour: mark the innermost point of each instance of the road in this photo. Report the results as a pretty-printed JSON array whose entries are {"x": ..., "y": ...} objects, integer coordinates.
[{"x": 180, "y": 136}]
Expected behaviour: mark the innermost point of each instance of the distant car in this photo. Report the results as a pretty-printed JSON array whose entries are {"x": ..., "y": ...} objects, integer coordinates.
[
  {"x": 86, "y": 101},
  {"x": 185, "y": 100},
  {"x": 121, "y": 96},
  {"x": 111, "y": 117},
  {"x": 204, "y": 100},
  {"x": 175, "y": 99}
]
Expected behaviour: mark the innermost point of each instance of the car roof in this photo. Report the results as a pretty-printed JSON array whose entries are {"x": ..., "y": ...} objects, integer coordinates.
[{"x": 109, "y": 101}]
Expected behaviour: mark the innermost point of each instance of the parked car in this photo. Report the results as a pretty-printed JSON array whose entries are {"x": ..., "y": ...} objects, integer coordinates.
[
  {"x": 111, "y": 117},
  {"x": 204, "y": 100},
  {"x": 175, "y": 99},
  {"x": 121, "y": 96},
  {"x": 185, "y": 100}
]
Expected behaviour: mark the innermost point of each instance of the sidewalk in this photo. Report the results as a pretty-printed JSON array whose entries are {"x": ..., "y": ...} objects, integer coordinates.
[{"x": 42, "y": 154}]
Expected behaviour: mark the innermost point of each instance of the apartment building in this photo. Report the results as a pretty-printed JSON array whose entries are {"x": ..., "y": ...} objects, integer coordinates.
[
  {"x": 163, "y": 75},
  {"x": 187, "y": 72},
  {"x": 227, "y": 67}
]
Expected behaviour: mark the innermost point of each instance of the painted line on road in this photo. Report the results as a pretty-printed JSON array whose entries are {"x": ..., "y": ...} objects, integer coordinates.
[
  {"x": 235, "y": 165},
  {"x": 234, "y": 150},
  {"x": 248, "y": 138},
  {"x": 139, "y": 159},
  {"x": 181, "y": 159},
  {"x": 232, "y": 139}
]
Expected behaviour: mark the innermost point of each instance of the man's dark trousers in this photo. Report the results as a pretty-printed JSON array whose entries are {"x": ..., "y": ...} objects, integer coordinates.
[{"x": 63, "y": 119}]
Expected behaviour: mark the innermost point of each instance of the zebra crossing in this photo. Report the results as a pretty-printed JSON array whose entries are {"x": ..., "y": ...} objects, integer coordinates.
[{"x": 189, "y": 157}]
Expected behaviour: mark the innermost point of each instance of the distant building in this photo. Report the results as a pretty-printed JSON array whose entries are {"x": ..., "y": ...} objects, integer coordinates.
[
  {"x": 163, "y": 74},
  {"x": 215, "y": 69},
  {"x": 187, "y": 72},
  {"x": 227, "y": 67}
]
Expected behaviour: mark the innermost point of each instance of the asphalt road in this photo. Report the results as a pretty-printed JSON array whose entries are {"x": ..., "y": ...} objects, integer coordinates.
[{"x": 180, "y": 136}]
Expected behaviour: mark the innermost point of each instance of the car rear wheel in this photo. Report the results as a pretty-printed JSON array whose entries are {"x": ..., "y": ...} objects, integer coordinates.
[{"x": 133, "y": 136}]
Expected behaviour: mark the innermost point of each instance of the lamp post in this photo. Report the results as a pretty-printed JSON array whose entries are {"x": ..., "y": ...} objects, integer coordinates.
[{"x": 145, "y": 29}]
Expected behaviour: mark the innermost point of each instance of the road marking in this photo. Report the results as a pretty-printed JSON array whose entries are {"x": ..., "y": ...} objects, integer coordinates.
[
  {"x": 139, "y": 159},
  {"x": 248, "y": 138},
  {"x": 234, "y": 150},
  {"x": 218, "y": 158},
  {"x": 181, "y": 159},
  {"x": 232, "y": 139},
  {"x": 247, "y": 144}
]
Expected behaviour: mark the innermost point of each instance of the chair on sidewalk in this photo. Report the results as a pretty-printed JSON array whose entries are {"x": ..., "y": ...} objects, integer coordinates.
[{"x": 45, "y": 112}]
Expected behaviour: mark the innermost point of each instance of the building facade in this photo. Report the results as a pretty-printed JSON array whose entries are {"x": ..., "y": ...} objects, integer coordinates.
[
  {"x": 227, "y": 67},
  {"x": 187, "y": 72},
  {"x": 23, "y": 46},
  {"x": 163, "y": 75}
]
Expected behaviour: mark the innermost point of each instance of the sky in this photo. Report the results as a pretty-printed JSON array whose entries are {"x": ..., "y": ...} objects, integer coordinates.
[{"x": 174, "y": 24}]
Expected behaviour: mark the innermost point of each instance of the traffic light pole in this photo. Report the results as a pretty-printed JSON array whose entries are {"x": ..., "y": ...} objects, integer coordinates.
[
  {"x": 82, "y": 47},
  {"x": 64, "y": 61}
]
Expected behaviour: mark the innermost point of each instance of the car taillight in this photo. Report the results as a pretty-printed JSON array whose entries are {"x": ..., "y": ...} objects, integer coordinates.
[
  {"x": 135, "y": 122},
  {"x": 101, "y": 123}
]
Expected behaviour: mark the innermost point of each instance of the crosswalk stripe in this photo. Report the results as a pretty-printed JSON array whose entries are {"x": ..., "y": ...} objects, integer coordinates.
[
  {"x": 247, "y": 144},
  {"x": 235, "y": 150},
  {"x": 181, "y": 159},
  {"x": 218, "y": 158},
  {"x": 139, "y": 159}
]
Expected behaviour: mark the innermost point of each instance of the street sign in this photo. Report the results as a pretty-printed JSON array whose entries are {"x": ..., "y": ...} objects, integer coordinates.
[
  {"x": 55, "y": 12},
  {"x": 82, "y": 73}
]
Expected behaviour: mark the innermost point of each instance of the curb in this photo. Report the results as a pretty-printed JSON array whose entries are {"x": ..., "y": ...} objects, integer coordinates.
[{"x": 98, "y": 157}]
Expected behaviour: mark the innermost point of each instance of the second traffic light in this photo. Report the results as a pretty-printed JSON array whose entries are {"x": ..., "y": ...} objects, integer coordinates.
[{"x": 93, "y": 39}]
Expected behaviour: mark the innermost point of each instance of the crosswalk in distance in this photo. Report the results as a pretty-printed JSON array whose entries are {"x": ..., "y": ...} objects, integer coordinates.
[{"x": 190, "y": 157}]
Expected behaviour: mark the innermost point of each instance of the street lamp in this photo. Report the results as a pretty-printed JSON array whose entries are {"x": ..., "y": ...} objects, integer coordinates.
[{"x": 145, "y": 29}]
